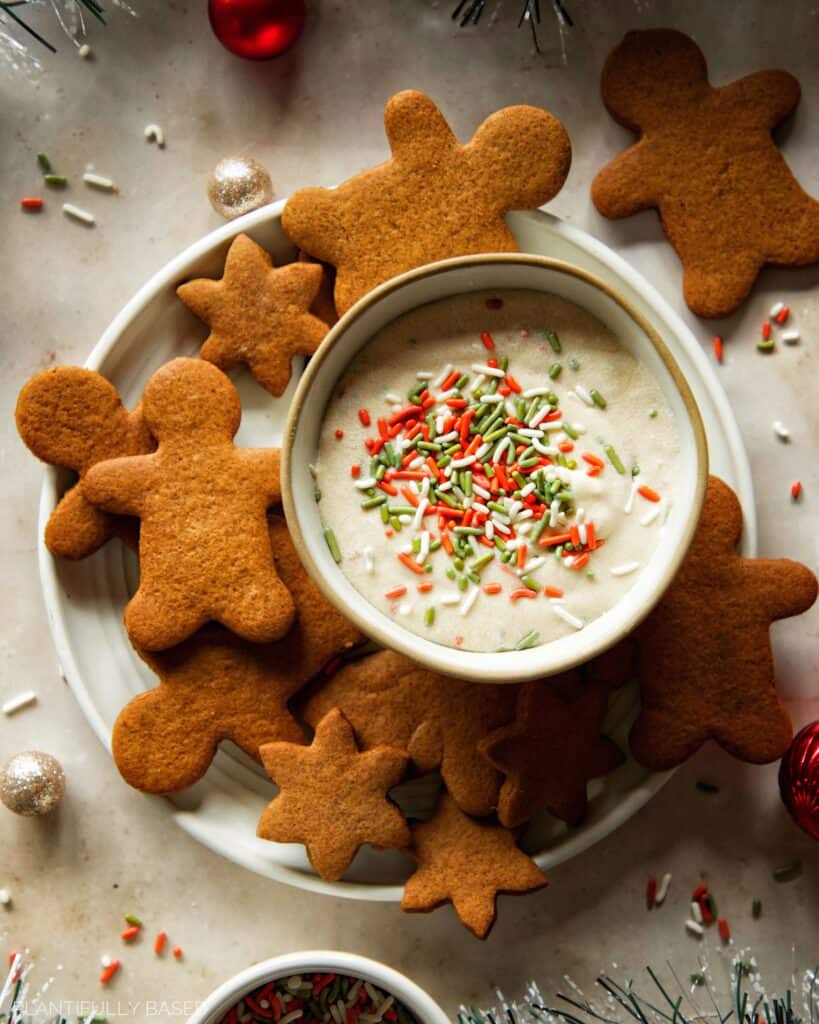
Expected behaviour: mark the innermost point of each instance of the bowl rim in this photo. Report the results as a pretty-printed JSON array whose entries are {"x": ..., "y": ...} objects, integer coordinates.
[
  {"x": 407, "y": 991},
  {"x": 487, "y": 666}
]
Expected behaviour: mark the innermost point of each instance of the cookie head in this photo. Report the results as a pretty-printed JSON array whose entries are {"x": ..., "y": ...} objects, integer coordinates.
[
  {"x": 633, "y": 90},
  {"x": 191, "y": 395}
]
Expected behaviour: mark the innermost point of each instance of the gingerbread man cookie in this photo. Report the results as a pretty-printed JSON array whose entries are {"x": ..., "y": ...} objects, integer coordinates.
[
  {"x": 704, "y": 660},
  {"x": 258, "y": 314},
  {"x": 71, "y": 417},
  {"x": 434, "y": 198},
  {"x": 438, "y": 720},
  {"x": 466, "y": 863},
  {"x": 333, "y": 798},
  {"x": 204, "y": 545},
  {"x": 217, "y": 687},
  {"x": 706, "y": 160}
]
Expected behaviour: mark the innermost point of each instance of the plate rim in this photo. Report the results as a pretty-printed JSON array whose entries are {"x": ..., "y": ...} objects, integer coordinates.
[{"x": 187, "y": 820}]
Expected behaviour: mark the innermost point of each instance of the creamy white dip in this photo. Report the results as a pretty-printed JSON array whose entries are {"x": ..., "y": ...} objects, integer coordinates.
[{"x": 602, "y": 435}]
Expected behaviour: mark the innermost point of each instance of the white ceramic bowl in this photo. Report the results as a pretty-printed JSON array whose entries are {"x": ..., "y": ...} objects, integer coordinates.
[
  {"x": 438, "y": 281},
  {"x": 414, "y": 998}
]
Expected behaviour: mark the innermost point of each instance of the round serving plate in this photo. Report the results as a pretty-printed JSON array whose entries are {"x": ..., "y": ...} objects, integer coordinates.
[{"x": 85, "y": 600}]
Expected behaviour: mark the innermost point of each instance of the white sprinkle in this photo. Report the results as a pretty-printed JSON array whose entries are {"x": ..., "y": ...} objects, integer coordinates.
[
  {"x": 566, "y": 615},
  {"x": 582, "y": 533},
  {"x": 105, "y": 960},
  {"x": 423, "y": 504},
  {"x": 501, "y": 527},
  {"x": 446, "y": 485},
  {"x": 530, "y": 432},
  {"x": 790, "y": 337},
  {"x": 483, "y": 450},
  {"x": 527, "y": 513},
  {"x": 5, "y": 897},
  {"x": 541, "y": 414},
  {"x": 489, "y": 371},
  {"x": 696, "y": 912},
  {"x": 469, "y": 600},
  {"x": 527, "y": 490},
  {"x": 392, "y": 398},
  {"x": 550, "y": 427},
  {"x": 650, "y": 516},
  {"x": 153, "y": 133},
  {"x": 442, "y": 376},
  {"x": 490, "y": 399},
  {"x": 514, "y": 508},
  {"x": 536, "y": 393},
  {"x": 424, "y": 549},
  {"x": 554, "y": 509},
  {"x": 583, "y": 394},
  {"x": 424, "y": 487},
  {"x": 405, "y": 520},
  {"x": 479, "y": 506},
  {"x": 369, "y": 564},
  {"x": 366, "y": 483},
  {"x": 477, "y": 382},
  {"x": 371, "y": 992},
  {"x": 444, "y": 438},
  {"x": 352, "y": 995},
  {"x": 543, "y": 448},
  {"x": 624, "y": 569},
  {"x": 694, "y": 928},
  {"x": 70, "y": 210},
  {"x": 423, "y": 375},
  {"x": 662, "y": 892},
  {"x": 98, "y": 181},
  {"x": 288, "y": 1018},
  {"x": 629, "y": 505},
  {"x": 781, "y": 430},
  {"x": 776, "y": 309},
  {"x": 489, "y": 529},
  {"x": 447, "y": 599},
  {"x": 417, "y": 462},
  {"x": 403, "y": 609},
  {"x": 313, "y": 470},
  {"x": 84, "y": 51},
  {"x": 580, "y": 428},
  {"x": 22, "y": 700},
  {"x": 503, "y": 444},
  {"x": 524, "y": 528},
  {"x": 532, "y": 564}
]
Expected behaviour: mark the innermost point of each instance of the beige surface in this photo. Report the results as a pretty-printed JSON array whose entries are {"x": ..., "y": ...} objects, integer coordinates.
[{"x": 313, "y": 118}]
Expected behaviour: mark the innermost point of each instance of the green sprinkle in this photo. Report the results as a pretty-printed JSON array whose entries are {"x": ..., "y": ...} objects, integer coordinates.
[
  {"x": 59, "y": 180},
  {"x": 332, "y": 544},
  {"x": 463, "y": 583},
  {"x": 527, "y": 641},
  {"x": 427, "y": 567},
  {"x": 385, "y": 514},
  {"x": 317, "y": 494},
  {"x": 598, "y": 399},
  {"x": 553, "y": 340},
  {"x": 416, "y": 545},
  {"x": 495, "y": 435},
  {"x": 787, "y": 872},
  {"x": 496, "y": 507},
  {"x": 590, "y": 575},
  {"x": 531, "y": 583},
  {"x": 507, "y": 557},
  {"x": 697, "y": 978},
  {"x": 44, "y": 162},
  {"x": 569, "y": 430},
  {"x": 503, "y": 363},
  {"x": 484, "y": 560},
  {"x": 500, "y": 543},
  {"x": 552, "y": 398},
  {"x": 635, "y": 470},
  {"x": 711, "y": 903},
  {"x": 574, "y": 364},
  {"x": 462, "y": 381},
  {"x": 756, "y": 909},
  {"x": 653, "y": 414},
  {"x": 540, "y": 526},
  {"x": 763, "y": 346},
  {"x": 571, "y": 463},
  {"x": 132, "y": 918},
  {"x": 519, "y": 479},
  {"x": 430, "y": 446},
  {"x": 434, "y": 545},
  {"x": 380, "y": 471},
  {"x": 528, "y": 463},
  {"x": 555, "y": 370},
  {"x": 614, "y": 459},
  {"x": 396, "y": 524},
  {"x": 447, "y": 500},
  {"x": 444, "y": 461},
  {"x": 458, "y": 563},
  {"x": 466, "y": 482},
  {"x": 473, "y": 576},
  {"x": 450, "y": 574},
  {"x": 468, "y": 531},
  {"x": 402, "y": 510},
  {"x": 379, "y": 499},
  {"x": 706, "y": 787}
]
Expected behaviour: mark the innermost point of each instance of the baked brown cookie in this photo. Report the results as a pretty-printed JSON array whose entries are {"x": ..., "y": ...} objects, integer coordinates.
[
  {"x": 552, "y": 749},
  {"x": 257, "y": 313},
  {"x": 704, "y": 660},
  {"x": 706, "y": 160},
  {"x": 204, "y": 545},
  {"x": 217, "y": 687},
  {"x": 434, "y": 198},
  {"x": 74, "y": 418},
  {"x": 333, "y": 798},
  {"x": 466, "y": 863},
  {"x": 324, "y": 306},
  {"x": 438, "y": 720}
]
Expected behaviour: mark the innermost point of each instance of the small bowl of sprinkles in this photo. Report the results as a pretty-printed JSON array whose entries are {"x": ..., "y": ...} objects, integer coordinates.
[
  {"x": 319, "y": 987},
  {"x": 494, "y": 465}
]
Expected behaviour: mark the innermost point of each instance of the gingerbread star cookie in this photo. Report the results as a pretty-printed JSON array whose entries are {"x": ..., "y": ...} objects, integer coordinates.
[
  {"x": 204, "y": 544},
  {"x": 333, "y": 798},
  {"x": 551, "y": 750},
  {"x": 71, "y": 417},
  {"x": 434, "y": 198},
  {"x": 704, "y": 660},
  {"x": 217, "y": 687},
  {"x": 466, "y": 863},
  {"x": 438, "y": 720},
  {"x": 706, "y": 160},
  {"x": 258, "y": 314}
]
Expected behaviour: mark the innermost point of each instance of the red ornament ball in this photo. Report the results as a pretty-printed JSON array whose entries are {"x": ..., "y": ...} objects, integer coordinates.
[
  {"x": 799, "y": 779},
  {"x": 257, "y": 29}
]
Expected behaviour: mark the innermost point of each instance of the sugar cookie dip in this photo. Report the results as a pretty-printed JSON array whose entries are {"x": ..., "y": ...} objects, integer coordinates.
[{"x": 495, "y": 470}]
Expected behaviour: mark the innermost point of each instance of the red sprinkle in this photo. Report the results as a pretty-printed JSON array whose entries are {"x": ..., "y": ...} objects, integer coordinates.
[
  {"x": 783, "y": 314},
  {"x": 648, "y": 494},
  {"x": 398, "y": 591},
  {"x": 339, "y": 433},
  {"x": 651, "y": 892},
  {"x": 516, "y": 595},
  {"x": 364, "y": 417},
  {"x": 130, "y": 933},
  {"x": 724, "y": 930},
  {"x": 109, "y": 972},
  {"x": 159, "y": 942},
  {"x": 699, "y": 893},
  {"x": 553, "y": 591},
  {"x": 486, "y": 338},
  {"x": 177, "y": 952},
  {"x": 494, "y": 303},
  {"x": 450, "y": 380},
  {"x": 32, "y": 203},
  {"x": 766, "y": 331},
  {"x": 355, "y": 471},
  {"x": 718, "y": 348},
  {"x": 492, "y": 588},
  {"x": 796, "y": 489},
  {"x": 424, "y": 588},
  {"x": 412, "y": 565}
]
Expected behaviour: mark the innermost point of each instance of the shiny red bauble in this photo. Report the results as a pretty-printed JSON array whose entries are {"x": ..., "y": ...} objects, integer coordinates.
[
  {"x": 257, "y": 29},
  {"x": 799, "y": 779}
]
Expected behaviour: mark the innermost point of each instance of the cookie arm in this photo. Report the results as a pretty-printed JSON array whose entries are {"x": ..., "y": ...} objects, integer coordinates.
[
  {"x": 266, "y": 462},
  {"x": 766, "y": 97},
  {"x": 120, "y": 485},
  {"x": 625, "y": 186}
]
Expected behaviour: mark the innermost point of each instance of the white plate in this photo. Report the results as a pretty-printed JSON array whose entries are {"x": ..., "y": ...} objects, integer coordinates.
[{"x": 84, "y": 600}]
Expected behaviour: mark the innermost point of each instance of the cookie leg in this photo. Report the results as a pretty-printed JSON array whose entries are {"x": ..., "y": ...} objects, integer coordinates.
[
  {"x": 759, "y": 735},
  {"x": 718, "y": 288},
  {"x": 663, "y": 738},
  {"x": 262, "y": 612},
  {"x": 157, "y": 621},
  {"x": 76, "y": 529}
]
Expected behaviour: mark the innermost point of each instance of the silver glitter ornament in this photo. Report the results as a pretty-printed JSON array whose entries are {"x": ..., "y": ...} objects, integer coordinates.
[
  {"x": 32, "y": 783},
  {"x": 238, "y": 185}
]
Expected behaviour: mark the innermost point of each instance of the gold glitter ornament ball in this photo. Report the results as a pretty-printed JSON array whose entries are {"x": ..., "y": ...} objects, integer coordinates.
[
  {"x": 32, "y": 783},
  {"x": 238, "y": 185}
]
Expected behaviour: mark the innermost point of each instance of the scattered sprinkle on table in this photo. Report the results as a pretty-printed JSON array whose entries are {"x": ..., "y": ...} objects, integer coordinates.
[
  {"x": 718, "y": 348},
  {"x": 706, "y": 787},
  {"x": 22, "y": 700},
  {"x": 77, "y": 213},
  {"x": 787, "y": 872},
  {"x": 98, "y": 181},
  {"x": 651, "y": 892},
  {"x": 31, "y": 203},
  {"x": 159, "y": 943},
  {"x": 662, "y": 891},
  {"x": 109, "y": 972},
  {"x": 84, "y": 51},
  {"x": 695, "y": 928},
  {"x": 790, "y": 337},
  {"x": 781, "y": 430},
  {"x": 5, "y": 898},
  {"x": 153, "y": 133},
  {"x": 796, "y": 490}
]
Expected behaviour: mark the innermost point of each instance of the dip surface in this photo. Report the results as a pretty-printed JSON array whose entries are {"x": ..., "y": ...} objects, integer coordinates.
[{"x": 496, "y": 469}]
